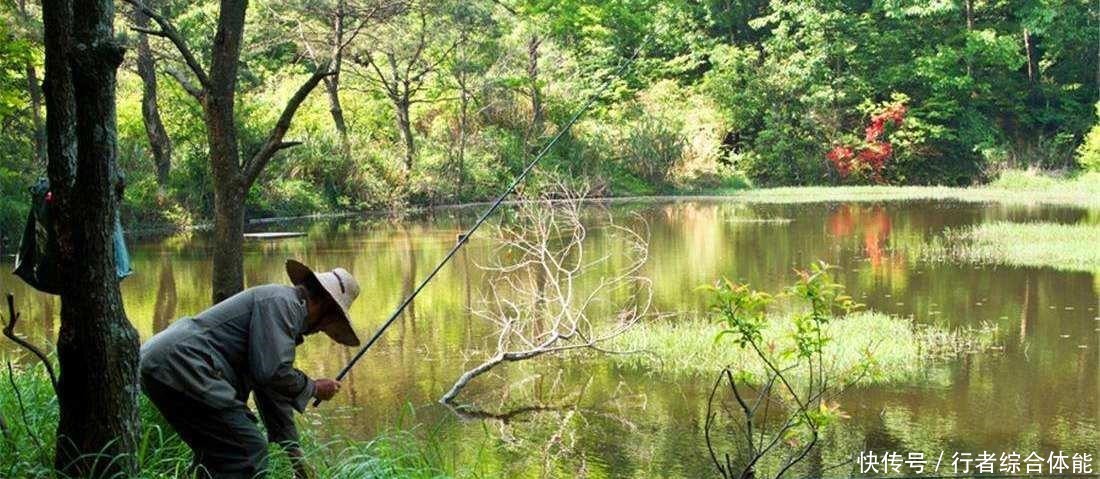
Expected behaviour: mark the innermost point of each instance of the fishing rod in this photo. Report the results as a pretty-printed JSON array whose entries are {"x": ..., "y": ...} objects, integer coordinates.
[{"x": 484, "y": 216}]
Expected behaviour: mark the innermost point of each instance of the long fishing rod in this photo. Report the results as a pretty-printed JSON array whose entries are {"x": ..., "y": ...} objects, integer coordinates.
[{"x": 484, "y": 216}]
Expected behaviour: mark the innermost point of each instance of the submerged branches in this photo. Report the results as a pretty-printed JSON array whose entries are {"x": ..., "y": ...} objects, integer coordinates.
[
  {"x": 547, "y": 294},
  {"x": 9, "y": 331}
]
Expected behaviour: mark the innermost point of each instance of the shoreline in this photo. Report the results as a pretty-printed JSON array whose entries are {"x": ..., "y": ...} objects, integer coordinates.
[{"x": 775, "y": 195}]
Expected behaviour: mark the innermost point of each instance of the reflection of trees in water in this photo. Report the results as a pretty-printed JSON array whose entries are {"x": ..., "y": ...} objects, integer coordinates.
[
  {"x": 408, "y": 275},
  {"x": 546, "y": 425},
  {"x": 1025, "y": 311},
  {"x": 874, "y": 224},
  {"x": 164, "y": 309}
]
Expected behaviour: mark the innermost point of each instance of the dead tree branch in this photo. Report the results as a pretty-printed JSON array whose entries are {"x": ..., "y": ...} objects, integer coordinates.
[
  {"x": 9, "y": 331},
  {"x": 548, "y": 295}
]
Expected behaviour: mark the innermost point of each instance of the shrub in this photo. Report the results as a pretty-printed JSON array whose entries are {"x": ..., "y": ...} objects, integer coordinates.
[
  {"x": 284, "y": 197},
  {"x": 1088, "y": 154}
]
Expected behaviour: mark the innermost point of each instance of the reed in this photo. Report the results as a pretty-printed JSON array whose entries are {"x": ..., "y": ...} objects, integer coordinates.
[{"x": 898, "y": 349}]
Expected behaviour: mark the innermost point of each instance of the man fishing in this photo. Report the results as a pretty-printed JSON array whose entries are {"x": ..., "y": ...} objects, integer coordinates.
[{"x": 200, "y": 370}]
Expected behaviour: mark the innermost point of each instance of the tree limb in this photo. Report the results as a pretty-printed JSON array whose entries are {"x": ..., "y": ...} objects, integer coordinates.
[
  {"x": 167, "y": 30},
  {"x": 255, "y": 165},
  {"x": 9, "y": 331},
  {"x": 192, "y": 89}
]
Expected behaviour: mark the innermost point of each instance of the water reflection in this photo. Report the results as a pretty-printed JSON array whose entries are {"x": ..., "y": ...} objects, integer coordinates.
[
  {"x": 164, "y": 310},
  {"x": 1040, "y": 391}
]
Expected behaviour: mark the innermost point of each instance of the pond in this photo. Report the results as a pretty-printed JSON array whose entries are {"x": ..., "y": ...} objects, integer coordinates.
[{"x": 1035, "y": 390}]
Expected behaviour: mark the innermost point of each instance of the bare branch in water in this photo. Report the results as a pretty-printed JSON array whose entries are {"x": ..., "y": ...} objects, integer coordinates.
[
  {"x": 9, "y": 331},
  {"x": 548, "y": 294}
]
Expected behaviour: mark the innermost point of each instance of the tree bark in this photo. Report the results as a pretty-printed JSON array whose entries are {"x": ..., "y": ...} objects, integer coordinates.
[
  {"x": 159, "y": 143},
  {"x": 221, "y": 133},
  {"x": 332, "y": 87},
  {"x": 404, "y": 126},
  {"x": 97, "y": 347}
]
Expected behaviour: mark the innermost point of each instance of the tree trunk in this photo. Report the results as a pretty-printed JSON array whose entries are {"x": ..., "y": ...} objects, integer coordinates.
[
  {"x": 221, "y": 132},
  {"x": 969, "y": 4},
  {"x": 404, "y": 126},
  {"x": 159, "y": 142},
  {"x": 97, "y": 347},
  {"x": 536, "y": 93},
  {"x": 462, "y": 78},
  {"x": 228, "y": 254},
  {"x": 332, "y": 86},
  {"x": 332, "y": 83},
  {"x": 35, "y": 93},
  {"x": 1029, "y": 50}
]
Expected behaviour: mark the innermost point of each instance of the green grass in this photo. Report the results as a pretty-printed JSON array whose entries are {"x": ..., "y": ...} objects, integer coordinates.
[
  {"x": 1073, "y": 247},
  {"x": 27, "y": 451},
  {"x": 896, "y": 348},
  {"x": 1012, "y": 187}
]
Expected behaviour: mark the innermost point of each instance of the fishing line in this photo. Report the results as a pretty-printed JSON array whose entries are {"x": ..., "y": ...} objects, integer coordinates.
[{"x": 484, "y": 216}]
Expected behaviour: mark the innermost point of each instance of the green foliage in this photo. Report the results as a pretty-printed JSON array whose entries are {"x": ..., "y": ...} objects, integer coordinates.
[
  {"x": 724, "y": 95},
  {"x": 30, "y": 409},
  {"x": 1088, "y": 154},
  {"x": 741, "y": 309}
]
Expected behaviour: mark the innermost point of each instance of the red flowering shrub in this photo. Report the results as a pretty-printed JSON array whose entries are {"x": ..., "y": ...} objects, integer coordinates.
[{"x": 869, "y": 157}]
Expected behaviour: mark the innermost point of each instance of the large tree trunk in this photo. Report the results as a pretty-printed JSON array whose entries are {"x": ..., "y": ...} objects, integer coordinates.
[
  {"x": 97, "y": 347},
  {"x": 159, "y": 142},
  {"x": 221, "y": 132}
]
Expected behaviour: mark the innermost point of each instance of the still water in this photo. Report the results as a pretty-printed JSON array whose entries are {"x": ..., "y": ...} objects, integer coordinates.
[{"x": 1036, "y": 391}]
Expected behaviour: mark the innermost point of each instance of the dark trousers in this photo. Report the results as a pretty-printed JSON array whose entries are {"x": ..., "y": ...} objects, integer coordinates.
[{"x": 226, "y": 442}]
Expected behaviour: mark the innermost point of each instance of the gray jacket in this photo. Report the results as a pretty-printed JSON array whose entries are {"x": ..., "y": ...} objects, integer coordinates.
[{"x": 243, "y": 344}]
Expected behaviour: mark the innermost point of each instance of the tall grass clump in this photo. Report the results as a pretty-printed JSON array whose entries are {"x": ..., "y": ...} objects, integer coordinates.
[
  {"x": 1072, "y": 247},
  {"x": 897, "y": 347}
]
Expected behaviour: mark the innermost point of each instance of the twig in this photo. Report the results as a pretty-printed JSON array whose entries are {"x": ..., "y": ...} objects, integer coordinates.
[
  {"x": 9, "y": 331},
  {"x": 22, "y": 408},
  {"x": 4, "y": 427}
]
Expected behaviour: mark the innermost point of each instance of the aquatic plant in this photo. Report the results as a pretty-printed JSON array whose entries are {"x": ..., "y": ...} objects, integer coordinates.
[
  {"x": 776, "y": 417},
  {"x": 1068, "y": 247}
]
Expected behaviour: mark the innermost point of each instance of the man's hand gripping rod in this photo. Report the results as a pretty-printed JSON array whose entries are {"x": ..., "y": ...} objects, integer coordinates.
[{"x": 484, "y": 216}]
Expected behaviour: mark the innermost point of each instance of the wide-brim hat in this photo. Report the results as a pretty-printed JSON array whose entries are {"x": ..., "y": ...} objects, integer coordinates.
[{"x": 342, "y": 287}]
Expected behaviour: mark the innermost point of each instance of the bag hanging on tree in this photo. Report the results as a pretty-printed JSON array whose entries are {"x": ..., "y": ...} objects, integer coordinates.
[{"x": 37, "y": 259}]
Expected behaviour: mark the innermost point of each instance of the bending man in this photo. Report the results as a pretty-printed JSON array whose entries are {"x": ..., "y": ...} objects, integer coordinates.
[{"x": 200, "y": 370}]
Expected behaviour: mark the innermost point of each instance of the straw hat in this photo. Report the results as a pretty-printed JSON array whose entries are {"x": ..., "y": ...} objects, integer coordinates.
[{"x": 341, "y": 286}]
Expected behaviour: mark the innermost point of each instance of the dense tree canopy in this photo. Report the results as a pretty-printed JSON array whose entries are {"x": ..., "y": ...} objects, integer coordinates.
[{"x": 442, "y": 101}]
